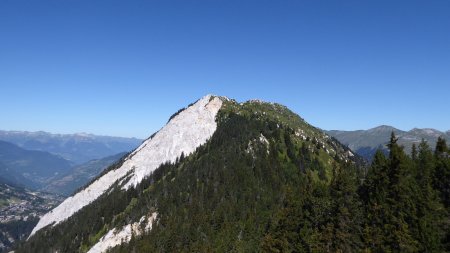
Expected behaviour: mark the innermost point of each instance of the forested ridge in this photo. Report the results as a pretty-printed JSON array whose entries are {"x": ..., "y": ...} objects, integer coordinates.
[{"x": 269, "y": 182}]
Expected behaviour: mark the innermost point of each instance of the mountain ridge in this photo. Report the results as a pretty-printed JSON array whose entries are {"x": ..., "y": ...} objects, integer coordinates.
[
  {"x": 366, "y": 142},
  {"x": 78, "y": 148},
  {"x": 36, "y": 166},
  {"x": 66, "y": 183},
  {"x": 76, "y": 134}
]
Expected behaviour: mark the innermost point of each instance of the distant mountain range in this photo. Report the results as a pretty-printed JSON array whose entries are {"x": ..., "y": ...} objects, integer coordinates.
[
  {"x": 366, "y": 142},
  {"x": 78, "y": 176},
  {"x": 76, "y": 148},
  {"x": 29, "y": 168},
  {"x": 33, "y": 181},
  {"x": 38, "y": 160}
]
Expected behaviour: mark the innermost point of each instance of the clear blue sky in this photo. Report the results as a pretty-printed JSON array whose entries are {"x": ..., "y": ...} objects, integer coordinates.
[{"x": 123, "y": 67}]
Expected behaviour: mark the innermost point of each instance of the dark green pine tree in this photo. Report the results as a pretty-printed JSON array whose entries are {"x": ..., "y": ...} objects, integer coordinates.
[
  {"x": 414, "y": 152},
  {"x": 429, "y": 209},
  {"x": 441, "y": 182},
  {"x": 400, "y": 200},
  {"x": 345, "y": 215},
  {"x": 388, "y": 195},
  {"x": 442, "y": 171},
  {"x": 374, "y": 193},
  {"x": 441, "y": 147}
]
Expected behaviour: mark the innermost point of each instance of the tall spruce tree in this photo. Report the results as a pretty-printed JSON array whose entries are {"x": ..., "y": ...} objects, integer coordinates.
[
  {"x": 442, "y": 171},
  {"x": 345, "y": 217},
  {"x": 441, "y": 146},
  {"x": 373, "y": 194},
  {"x": 414, "y": 151},
  {"x": 441, "y": 182},
  {"x": 388, "y": 195},
  {"x": 429, "y": 209},
  {"x": 400, "y": 201}
]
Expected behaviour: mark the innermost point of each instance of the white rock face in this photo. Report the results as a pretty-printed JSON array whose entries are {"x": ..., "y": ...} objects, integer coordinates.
[
  {"x": 192, "y": 128},
  {"x": 183, "y": 134},
  {"x": 115, "y": 237}
]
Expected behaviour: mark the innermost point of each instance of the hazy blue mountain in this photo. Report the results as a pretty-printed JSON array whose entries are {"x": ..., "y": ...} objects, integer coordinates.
[
  {"x": 80, "y": 175},
  {"x": 11, "y": 177},
  {"x": 77, "y": 148},
  {"x": 30, "y": 168},
  {"x": 366, "y": 142}
]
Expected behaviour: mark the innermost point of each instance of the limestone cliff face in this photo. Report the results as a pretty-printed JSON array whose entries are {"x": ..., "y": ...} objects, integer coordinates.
[{"x": 185, "y": 132}]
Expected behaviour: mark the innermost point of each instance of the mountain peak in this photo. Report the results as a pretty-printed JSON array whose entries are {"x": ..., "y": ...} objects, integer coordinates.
[
  {"x": 366, "y": 142},
  {"x": 223, "y": 143},
  {"x": 383, "y": 128},
  {"x": 428, "y": 131}
]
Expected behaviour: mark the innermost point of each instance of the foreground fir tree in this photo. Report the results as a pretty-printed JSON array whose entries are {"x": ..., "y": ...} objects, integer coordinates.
[
  {"x": 374, "y": 193},
  {"x": 347, "y": 210},
  {"x": 400, "y": 200},
  {"x": 441, "y": 182},
  {"x": 430, "y": 211},
  {"x": 389, "y": 202},
  {"x": 442, "y": 171}
]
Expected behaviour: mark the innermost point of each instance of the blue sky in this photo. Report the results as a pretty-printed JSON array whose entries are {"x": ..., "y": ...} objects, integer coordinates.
[{"x": 123, "y": 67}]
